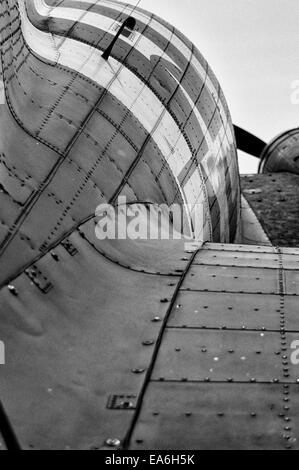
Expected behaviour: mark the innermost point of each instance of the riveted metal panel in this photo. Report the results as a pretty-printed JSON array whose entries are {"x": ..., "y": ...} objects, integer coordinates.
[
  {"x": 240, "y": 248},
  {"x": 240, "y": 356},
  {"x": 14, "y": 183},
  {"x": 290, "y": 251},
  {"x": 37, "y": 159},
  {"x": 224, "y": 371},
  {"x": 217, "y": 310},
  {"x": 103, "y": 140},
  {"x": 152, "y": 191},
  {"x": 67, "y": 107},
  {"x": 291, "y": 308},
  {"x": 290, "y": 261},
  {"x": 292, "y": 282},
  {"x": 69, "y": 350},
  {"x": 54, "y": 213},
  {"x": 232, "y": 311},
  {"x": 210, "y": 417},
  {"x": 151, "y": 256},
  {"x": 280, "y": 155},
  {"x": 117, "y": 113},
  {"x": 230, "y": 279},
  {"x": 151, "y": 55},
  {"x": 242, "y": 259}
]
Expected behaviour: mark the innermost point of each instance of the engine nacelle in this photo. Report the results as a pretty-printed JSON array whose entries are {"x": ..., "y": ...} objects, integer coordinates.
[{"x": 282, "y": 154}]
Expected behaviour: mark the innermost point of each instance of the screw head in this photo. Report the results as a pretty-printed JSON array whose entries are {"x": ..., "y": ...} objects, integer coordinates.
[
  {"x": 112, "y": 442},
  {"x": 138, "y": 371},
  {"x": 54, "y": 256},
  {"x": 156, "y": 319},
  {"x": 12, "y": 290},
  {"x": 149, "y": 342}
]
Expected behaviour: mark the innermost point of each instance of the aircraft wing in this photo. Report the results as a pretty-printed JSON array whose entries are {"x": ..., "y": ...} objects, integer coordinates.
[
  {"x": 171, "y": 350},
  {"x": 130, "y": 344}
]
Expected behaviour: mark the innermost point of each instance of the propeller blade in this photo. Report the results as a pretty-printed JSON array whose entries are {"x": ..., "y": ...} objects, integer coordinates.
[{"x": 249, "y": 143}]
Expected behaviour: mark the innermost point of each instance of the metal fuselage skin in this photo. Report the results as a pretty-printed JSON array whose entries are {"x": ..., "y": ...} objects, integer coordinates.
[
  {"x": 282, "y": 154},
  {"x": 151, "y": 124},
  {"x": 125, "y": 343}
]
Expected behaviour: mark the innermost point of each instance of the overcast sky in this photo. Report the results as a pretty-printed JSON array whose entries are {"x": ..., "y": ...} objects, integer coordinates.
[{"x": 253, "y": 46}]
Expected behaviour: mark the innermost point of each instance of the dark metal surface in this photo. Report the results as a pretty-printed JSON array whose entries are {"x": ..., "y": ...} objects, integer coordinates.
[
  {"x": 2, "y": 444},
  {"x": 218, "y": 310},
  {"x": 208, "y": 417},
  {"x": 241, "y": 259},
  {"x": 282, "y": 154},
  {"x": 8, "y": 439},
  {"x": 249, "y": 143},
  {"x": 90, "y": 130},
  {"x": 220, "y": 356},
  {"x": 253, "y": 249},
  {"x": 69, "y": 350},
  {"x": 138, "y": 256},
  {"x": 91, "y": 327},
  {"x": 231, "y": 279},
  {"x": 223, "y": 376},
  {"x": 292, "y": 282}
]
